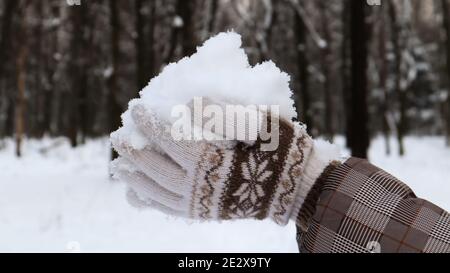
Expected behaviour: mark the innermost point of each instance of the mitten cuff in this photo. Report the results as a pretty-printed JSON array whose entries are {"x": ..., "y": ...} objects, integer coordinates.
[{"x": 322, "y": 155}]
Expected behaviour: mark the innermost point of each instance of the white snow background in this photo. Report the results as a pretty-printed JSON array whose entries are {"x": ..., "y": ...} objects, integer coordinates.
[{"x": 57, "y": 199}]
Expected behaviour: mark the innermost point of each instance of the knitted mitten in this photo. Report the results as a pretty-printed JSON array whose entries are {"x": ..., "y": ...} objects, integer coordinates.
[{"x": 219, "y": 180}]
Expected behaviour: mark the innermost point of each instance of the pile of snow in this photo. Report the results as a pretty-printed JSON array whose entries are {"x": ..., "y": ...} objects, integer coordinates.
[
  {"x": 59, "y": 199},
  {"x": 220, "y": 70}
]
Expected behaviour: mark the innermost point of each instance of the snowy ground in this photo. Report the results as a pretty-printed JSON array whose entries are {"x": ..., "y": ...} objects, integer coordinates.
[{"x": 57, "y": 199}]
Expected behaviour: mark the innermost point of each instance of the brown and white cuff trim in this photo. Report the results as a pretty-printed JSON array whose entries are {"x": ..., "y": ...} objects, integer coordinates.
[{"x": 289, "y": 180}]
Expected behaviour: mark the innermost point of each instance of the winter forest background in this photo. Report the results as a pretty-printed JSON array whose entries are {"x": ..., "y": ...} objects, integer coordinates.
[{"x": 372, "y": 76}]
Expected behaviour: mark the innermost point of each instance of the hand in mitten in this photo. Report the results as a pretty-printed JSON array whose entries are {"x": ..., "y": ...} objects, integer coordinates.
[{"x": 219, "y": 180}]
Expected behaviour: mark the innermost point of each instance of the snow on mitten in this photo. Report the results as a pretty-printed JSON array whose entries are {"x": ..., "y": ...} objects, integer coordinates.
[{"x": 219, "y": 180}]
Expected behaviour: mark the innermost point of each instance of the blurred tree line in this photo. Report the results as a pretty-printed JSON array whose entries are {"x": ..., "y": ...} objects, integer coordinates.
[{"x": 358, "y": 69}]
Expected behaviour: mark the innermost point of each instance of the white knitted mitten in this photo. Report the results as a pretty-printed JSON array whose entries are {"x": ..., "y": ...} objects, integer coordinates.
[{"x": 218, "y": 180}]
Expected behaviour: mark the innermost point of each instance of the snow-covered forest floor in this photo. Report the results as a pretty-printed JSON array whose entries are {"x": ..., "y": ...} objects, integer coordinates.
[{"x": 55, "y": 199}]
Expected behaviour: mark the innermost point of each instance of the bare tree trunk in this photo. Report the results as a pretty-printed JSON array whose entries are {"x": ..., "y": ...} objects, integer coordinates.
[
  {"x": 79, "y": 77},
  {"x": 20, "y": 104},
  {"x": 446, "y": 25},
  {"x": 87, "y": 116},
  {"x": 326, "y": 68},
  {"x": 5, "y": 39},
  {"x": 115, "y": 108},
  {"x": 41, "y": 102},
  {"x": 189, "y": 41},
  {"x": 50, "y": 67},
  {"x": 401, "y": 94},
  {"x": 383, "y": 79},
  {"x": 303, "y": 73},
  {"x": 21, "y": 79},
  {"x": 151, "y": 60},
  {"x": 359, "y": 113},
  {"x": 5, "y": 44},
  {"x": 183, "y": 34},
  {"x": 263, "y": 38},
  {"x": 52, "y": 115},
  {"x": 140, "y": 45},
  {"x": 345, "y": 70},
  {"x": 144, "y": 42},
  {"x": 213, "y": 14},
  {"x": 72, "y": 97}
]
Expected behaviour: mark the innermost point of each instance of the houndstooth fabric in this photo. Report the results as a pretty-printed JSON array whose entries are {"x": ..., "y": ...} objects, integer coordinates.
[{"x": 357, "y": 207}]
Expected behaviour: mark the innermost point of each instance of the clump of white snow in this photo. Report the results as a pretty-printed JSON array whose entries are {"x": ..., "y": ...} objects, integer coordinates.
[{"x": 220, "y": 70}]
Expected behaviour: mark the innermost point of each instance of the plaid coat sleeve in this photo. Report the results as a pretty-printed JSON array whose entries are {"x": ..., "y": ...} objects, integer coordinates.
[{"x": 357, "y": 207}]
